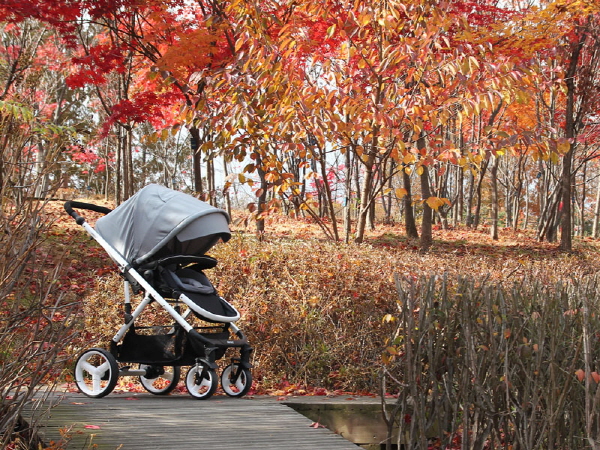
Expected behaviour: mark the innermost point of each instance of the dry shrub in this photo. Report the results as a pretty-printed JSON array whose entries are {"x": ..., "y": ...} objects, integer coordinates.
[
  {"x": 36, "y": 316},
  {"x": 314, "y": 310},
  {"x": 491, "y": 366}
]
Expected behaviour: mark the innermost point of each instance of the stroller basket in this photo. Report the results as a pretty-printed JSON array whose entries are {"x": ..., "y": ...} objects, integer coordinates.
[
  {"x": 158, "y": 239},
  {"x": 163, "y": 345},
  {"x": 151, "y": 345}
]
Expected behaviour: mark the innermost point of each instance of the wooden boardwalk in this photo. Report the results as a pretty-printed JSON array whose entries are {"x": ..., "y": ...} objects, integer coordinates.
[{"x": 145, "y": 421}]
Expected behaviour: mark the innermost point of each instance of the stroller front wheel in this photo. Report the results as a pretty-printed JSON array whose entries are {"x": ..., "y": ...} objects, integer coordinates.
[
  {"x": 160, "y": 380},
  {"x": 96, "y": 372},
  {"x": 201, "y": 383},
  {"x": 236, "y": 381}
]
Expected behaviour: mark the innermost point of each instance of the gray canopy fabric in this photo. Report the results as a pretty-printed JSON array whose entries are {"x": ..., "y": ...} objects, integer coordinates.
[{"x": 158, "y": 222}]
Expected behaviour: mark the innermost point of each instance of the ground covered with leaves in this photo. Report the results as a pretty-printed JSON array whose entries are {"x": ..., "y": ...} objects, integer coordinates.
[{"x": 318, "y": 313}]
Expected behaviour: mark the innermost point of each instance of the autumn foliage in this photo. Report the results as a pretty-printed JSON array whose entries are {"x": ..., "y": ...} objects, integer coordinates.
[
  {"x": 330, "y": 110},
  {"x": 469, "y": 125}
]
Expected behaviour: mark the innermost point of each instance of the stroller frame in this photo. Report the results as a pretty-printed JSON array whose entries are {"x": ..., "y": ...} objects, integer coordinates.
[{"x": 97, "y": 370}]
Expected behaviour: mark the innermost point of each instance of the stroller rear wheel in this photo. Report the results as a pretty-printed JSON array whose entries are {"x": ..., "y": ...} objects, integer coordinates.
[
  {"x": 96, "y": 372},
  {"x": 201, "y": 383},
  {"x": 160, "y": 380},
  {"x": 236, "y": 381}
]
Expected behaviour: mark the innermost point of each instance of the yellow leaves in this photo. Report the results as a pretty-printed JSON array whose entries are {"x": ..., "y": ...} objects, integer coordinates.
[
  {"x": 469, "y": 65},
  {"x": 563, "y": 146},
  {"x": 400, "y": 193},
  {"x": 409, "y": 158},
  {"x": 435, "y": 202},
  {"x": 331, "y": 31},
  {"x": 364, "y": 19},
  {"x": 388, "y": 318}
]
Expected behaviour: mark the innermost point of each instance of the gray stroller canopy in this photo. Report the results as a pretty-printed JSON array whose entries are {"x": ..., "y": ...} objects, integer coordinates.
[{"x": 158, "y": 222}]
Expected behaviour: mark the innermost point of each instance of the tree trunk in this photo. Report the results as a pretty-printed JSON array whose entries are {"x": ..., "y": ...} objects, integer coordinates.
[
  {"x": 477, "y": 215},
  {"x": 210, "y": 181},
  {"x": 226, "y": 192},
  {"x": 583, "y": 201},
  {"x": 566, "y": 239},
  {"x": 596, "y": 213},
  {"x": 460, "y": 200},
  {"x": 128, "y": 166},
  {"x": 470, "y": 194},
  {"x": 348, "y": 198},
  {"x": 387, "y": 198},
  {"x": 197, "y": 160},
  {"x": 426, "y": 224},
  {"x": 118, "y": 171},
  {"x": 262, "y": 200},
  {"x": 330, "y": 207},
  {"x": 365, "y": 198},
  {"x": 409, "y": 211},
  {"x": 495, "y": 201}
]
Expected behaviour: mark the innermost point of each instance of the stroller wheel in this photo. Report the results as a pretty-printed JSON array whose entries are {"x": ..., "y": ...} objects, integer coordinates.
[
  {"x": 201, "y": 383},
  {"x": 160, "y": 380},
  {"x": 96, "y": 372},
  {"x": 235, "y": 381}
]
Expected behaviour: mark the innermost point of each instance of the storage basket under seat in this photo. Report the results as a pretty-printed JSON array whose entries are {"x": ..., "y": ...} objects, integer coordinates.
[{"x": 166, "y": 345}]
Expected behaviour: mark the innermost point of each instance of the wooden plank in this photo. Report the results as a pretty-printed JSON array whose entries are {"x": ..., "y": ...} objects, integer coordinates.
[{"x": 145, "y": 421}]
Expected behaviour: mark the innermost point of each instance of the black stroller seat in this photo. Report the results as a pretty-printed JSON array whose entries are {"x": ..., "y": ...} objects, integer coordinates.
[{"x": 191, "y": 284}]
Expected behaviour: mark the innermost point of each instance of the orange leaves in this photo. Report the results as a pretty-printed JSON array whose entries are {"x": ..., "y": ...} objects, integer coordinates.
[{"x": 593, "y": 376}]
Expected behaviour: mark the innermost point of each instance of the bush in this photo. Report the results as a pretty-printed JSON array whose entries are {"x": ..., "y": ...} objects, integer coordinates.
[
  {"x": 311, "y": 309},
  {"x": 35, "y": 313},
  {"x": 494, "y": 367}
]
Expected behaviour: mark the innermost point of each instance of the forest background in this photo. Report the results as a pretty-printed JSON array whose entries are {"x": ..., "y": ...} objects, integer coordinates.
[
  {"x": 458, "y": 112},
  {"x": 480, "y": 116}
]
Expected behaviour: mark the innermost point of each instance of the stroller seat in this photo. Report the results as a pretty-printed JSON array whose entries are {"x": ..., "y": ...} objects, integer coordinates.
[{"x": 193, "y": 288}]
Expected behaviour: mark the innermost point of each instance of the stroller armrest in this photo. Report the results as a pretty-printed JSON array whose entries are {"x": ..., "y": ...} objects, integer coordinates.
[{"x": 200, "y": 262}]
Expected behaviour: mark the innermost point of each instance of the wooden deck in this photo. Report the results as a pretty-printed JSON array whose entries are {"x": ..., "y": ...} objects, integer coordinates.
[{"x": 145, "y": 421}]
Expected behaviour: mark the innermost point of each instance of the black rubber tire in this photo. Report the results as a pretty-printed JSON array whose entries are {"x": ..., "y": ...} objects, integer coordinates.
[{"x": 163, "y": 384}]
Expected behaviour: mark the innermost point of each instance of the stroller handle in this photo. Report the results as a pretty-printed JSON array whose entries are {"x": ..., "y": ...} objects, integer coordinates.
[{"x": 88, "y": 206}]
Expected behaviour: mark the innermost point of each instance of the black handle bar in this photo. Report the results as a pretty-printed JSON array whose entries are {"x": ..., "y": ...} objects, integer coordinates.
[{"x": 79, "y": 205}]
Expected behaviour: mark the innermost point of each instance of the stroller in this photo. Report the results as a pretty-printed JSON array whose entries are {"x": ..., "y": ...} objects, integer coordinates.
[{"x": 158, "y": 238}]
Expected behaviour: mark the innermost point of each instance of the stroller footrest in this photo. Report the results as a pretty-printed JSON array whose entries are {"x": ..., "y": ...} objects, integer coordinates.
[{"x": 210, "y": 307}]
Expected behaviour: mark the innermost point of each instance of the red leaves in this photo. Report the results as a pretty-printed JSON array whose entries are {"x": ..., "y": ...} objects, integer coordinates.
[
  {"x": 100, "y": 60},
  {"x": 145, "y": 106}
]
